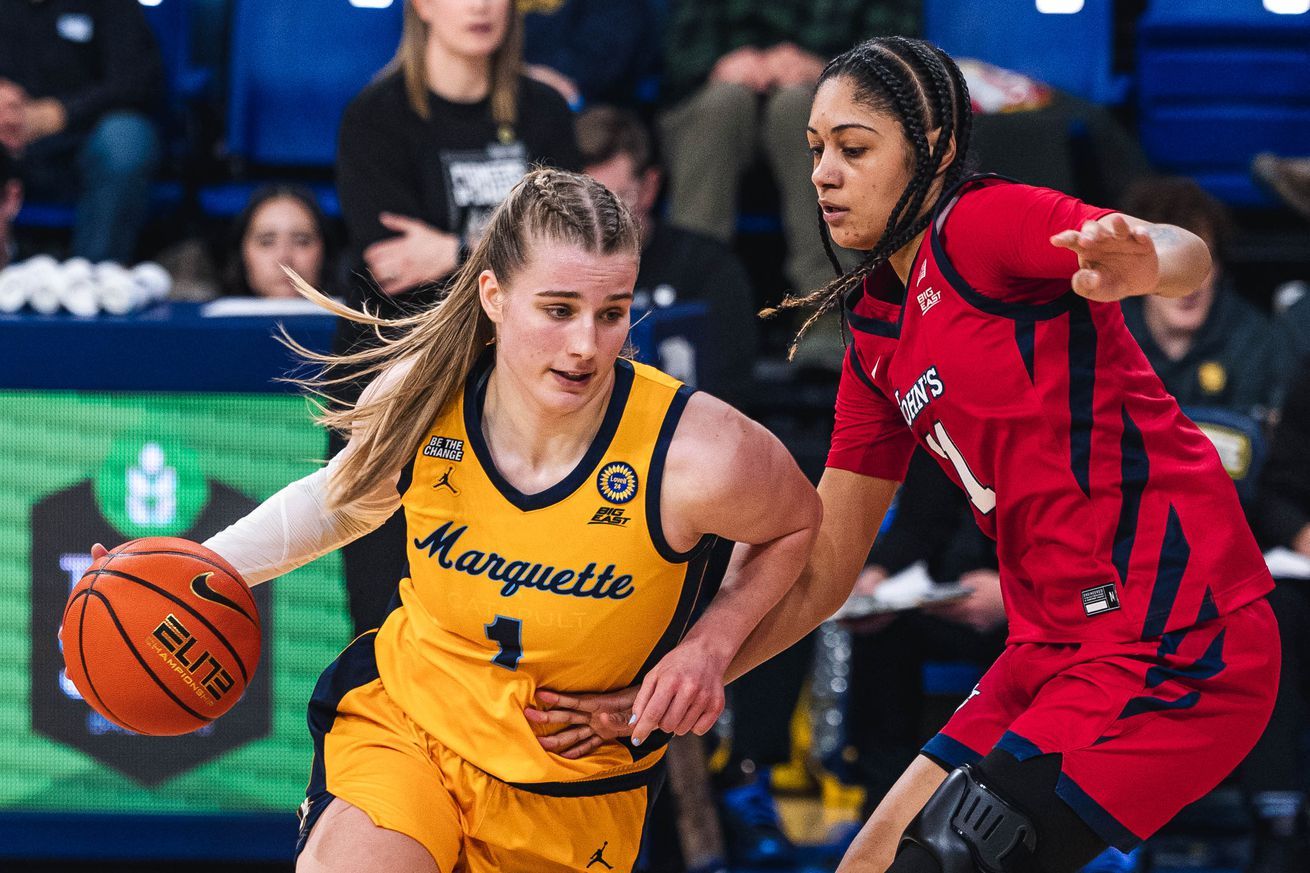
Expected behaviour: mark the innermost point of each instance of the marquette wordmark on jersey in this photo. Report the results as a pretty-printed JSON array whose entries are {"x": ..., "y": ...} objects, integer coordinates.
[{"x": 515, "y": 574}]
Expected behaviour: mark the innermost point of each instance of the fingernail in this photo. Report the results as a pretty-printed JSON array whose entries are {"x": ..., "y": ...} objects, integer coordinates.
[
  {"x": 632, "y": 719},
  {"x": 636, "y": 742}
]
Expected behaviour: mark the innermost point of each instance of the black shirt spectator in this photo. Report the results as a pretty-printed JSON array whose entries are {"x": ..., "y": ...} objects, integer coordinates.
[
  {"x": 78, "y": 80},
  {"x": 90, "y": 55},
  {"x": 449, "y": 170}
]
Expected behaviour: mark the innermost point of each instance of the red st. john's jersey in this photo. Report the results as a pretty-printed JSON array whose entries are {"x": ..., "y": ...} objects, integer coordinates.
[{"x": 1113, "y": 518}]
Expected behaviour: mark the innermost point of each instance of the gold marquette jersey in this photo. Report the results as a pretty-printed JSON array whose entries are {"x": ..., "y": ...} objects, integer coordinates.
[{"x": 573, "y": 588}]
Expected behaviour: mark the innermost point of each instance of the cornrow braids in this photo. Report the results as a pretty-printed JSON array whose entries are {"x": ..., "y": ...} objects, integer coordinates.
[{"x": 923, "y": 89}]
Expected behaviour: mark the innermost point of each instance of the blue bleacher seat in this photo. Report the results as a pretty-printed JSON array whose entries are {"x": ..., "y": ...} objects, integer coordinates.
[
  {"x": 1218, "y": 82},
  {"x": 171, "y": 23},
  {"x": 293, "y": 71},
  {"x": 1073, "y": 50}
]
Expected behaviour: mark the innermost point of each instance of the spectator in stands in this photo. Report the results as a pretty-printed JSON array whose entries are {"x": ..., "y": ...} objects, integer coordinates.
[
  {"x": 281, "y": 225},
  {"x": 11, "y": 200},
  {"x": 78, "y": 79},
  {"x": 738, "y": 80},
  {"x": 1210, "y": 348},
  {"x": 426, "y": 152},
  {"x": 676, "y": 264},
  {"x": 593, "y": 51},
  {"x": 1288, "y": 177},
  {"x": 1275, "y": 773}
]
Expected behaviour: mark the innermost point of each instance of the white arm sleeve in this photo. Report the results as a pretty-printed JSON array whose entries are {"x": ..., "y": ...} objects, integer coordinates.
[{"x": 294, "y": 526}]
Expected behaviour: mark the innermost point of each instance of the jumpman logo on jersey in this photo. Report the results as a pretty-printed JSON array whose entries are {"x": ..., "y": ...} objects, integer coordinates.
[
  {"x": 598, "y": 857},
  {"x": 444, "y": 481}
]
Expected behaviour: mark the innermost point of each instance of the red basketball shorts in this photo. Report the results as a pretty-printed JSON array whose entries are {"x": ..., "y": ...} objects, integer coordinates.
[{"x": 1144, "y": 728}]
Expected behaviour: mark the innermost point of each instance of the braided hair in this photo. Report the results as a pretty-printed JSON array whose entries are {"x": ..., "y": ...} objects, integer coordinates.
[{"x": 921, "y": 87}]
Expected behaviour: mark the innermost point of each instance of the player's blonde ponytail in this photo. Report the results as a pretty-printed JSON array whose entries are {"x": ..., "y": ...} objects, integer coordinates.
[{"x": 441, "y": 344}]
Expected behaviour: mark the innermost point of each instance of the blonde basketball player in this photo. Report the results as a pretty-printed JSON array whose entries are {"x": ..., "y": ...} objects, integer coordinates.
[{"x": 569, "y": 512}]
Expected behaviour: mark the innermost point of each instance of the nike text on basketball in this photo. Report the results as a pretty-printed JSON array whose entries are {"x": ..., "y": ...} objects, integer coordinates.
[
  {"x": 927, "y": 388},
  {"x": 445, "y": 448},
  {"x": 522, "y": 574},
  {"x": 174, "y": 644}
]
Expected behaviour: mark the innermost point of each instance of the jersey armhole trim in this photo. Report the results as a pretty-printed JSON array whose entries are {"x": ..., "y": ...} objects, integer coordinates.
[
  {"x": 975, "y": 298},
  {"x": 656, "y": 476},
  {"x": 858, "y": 366}
]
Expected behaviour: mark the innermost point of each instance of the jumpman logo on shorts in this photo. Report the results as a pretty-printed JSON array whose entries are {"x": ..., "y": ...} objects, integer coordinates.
[
  {"x": 599, "y": 858},
  {"x": 445, "y": 481}
]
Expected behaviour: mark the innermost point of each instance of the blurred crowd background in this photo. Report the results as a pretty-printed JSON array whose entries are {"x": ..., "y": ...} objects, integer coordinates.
[{"x": 364, "y": 143}]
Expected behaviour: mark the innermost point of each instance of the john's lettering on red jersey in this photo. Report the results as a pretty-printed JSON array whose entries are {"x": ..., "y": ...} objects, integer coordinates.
[{"x": 927, "y": 388}]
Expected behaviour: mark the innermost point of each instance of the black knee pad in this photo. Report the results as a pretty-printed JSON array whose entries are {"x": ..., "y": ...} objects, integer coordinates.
[{"x": 968, "y": 828}]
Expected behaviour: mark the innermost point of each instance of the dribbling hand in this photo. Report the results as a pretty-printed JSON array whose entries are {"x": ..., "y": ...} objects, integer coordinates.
[{"x": 1115, "y": 260}]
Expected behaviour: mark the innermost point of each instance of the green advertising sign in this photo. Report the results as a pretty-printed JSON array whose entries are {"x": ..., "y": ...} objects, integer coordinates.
[{"x": 77, "y": 468}]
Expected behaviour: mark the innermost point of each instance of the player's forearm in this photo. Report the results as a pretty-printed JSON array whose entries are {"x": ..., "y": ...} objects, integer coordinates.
[
  {"x": 757, "y": 578},
  {"x": 853, "y": 509},
  {"x": 295, "y": 526},
  {"x": 1184, "y": 260},
  {"x": 821, "y": 589}
]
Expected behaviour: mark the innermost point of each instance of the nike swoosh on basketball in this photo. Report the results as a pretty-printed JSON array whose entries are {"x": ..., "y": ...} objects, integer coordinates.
[{"x": 200, "y": 588}]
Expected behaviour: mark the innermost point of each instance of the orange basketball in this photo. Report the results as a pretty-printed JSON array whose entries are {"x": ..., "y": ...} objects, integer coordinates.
[{"x": 161, "y": 636}]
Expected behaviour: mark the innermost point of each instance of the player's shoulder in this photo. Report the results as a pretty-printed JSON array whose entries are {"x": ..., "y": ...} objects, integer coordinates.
[
  {"x": 981, "y": 200},
  {"x": 386, "y": 380}
]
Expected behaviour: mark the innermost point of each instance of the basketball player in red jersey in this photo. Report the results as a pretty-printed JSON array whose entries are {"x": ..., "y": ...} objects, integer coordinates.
[{"x": 1143, "y": 659}]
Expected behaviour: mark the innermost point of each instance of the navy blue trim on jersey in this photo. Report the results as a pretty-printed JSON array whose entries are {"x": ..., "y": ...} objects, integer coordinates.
[
  {"x": 652, "y": 793},
  {"x": 1025, "y": 337},
  {"x": 700, "y": 583},
  {"x": 356, "y": 666},
  {"x": 1095, "y": 816},
  {"x": 655, "y": 480},
  {"x": 1020, "y": 748},
  {"x": 1174, "y": 554},
  {"x": 1141, "y": 705},
  {"x": 1135, "y": 470},
  {"x": 651, "y": 778},
  {"x": 475, "y": 394},
  {"x": 949, "y": 753},
  {"x": 857, "y": 364},
  {"x": 406, "y": 477},
  {"x": 1004, "y": 308},
  {"x": 1207, "y": 666},
  {"x": 867, "y": 323},
  {"x": 1082, "y": 390}
]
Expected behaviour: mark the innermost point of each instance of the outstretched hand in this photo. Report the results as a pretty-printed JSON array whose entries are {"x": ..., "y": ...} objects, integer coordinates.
[{"x": 1115, "y": 260}]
